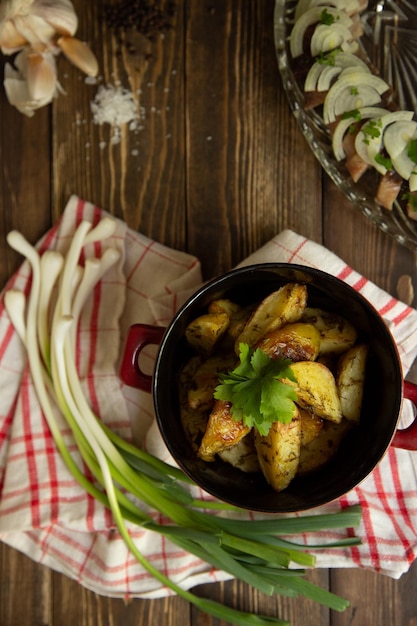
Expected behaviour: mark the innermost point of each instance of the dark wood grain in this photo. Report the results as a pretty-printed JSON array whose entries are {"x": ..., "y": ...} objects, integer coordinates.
[{"x": 217, "y": 168}]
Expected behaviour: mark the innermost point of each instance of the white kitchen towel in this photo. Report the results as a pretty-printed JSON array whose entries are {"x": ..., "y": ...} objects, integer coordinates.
[{"x": 48, "y": 516}]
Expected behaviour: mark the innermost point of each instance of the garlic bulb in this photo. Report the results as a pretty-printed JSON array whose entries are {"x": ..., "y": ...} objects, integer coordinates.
[{"x": 39, "y": 30}]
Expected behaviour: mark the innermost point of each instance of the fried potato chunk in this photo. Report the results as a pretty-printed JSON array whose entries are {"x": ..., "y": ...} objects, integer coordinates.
[
  {"x": 224, "y": 305},
  {"x": 350, "y": 381},
  {"x": 298, "y": 342},
  {"x": 281, "y": 307},
  {"x": 322, "y": 448},
  {"x": 311, "y": 425},
  {"x": 337, "y": 334},
  {"x": 316, "y": 390},
  {"x": 279, "y": 452},
  {"x": 222, "y": 431},
  {"x": 205, "y": 379},
  {"x": 242, "y": 455},
  {"x": 204, "y": 332}
]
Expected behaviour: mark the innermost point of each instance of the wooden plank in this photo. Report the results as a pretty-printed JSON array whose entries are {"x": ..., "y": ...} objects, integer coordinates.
[
  {"x": 242, "y": 141},
  {"x": 24, "y": 178},
  {"x": 377, "y": 599},
  {"x": 76, "y": 605},
  {"x": 140, "y": 179},
  {"x": 25, "y": 590}
]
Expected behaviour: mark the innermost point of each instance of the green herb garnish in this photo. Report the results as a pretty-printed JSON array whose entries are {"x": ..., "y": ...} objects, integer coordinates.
[
  {"x": 412, "y": 150},
  {"x": 327, "y": 18},
  {"x": 258, "y": 396},
  {"x": 354, "y": 91},
  {"x": 372, "y": 130},
  {"x": 385, "y": 161},
  {"x": 355, "y": 114},
  {"x": 411, "y": 200},
  {"x": 328, "y": 58}
]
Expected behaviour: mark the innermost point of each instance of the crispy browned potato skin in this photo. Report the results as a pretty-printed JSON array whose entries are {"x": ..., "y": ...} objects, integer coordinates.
[
  {"x": 281, "y": 307},
  {"x": 298, "y": 342},
  {"x": 222, "y": 431},
  {"x": 279, "y": 452}
]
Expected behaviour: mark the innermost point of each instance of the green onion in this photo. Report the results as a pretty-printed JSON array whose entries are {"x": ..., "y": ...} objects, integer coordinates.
[{"x": 123, "y": 476}]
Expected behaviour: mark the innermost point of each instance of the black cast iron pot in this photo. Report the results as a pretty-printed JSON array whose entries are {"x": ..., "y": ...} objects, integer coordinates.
[{"x": 364, "y": 446}]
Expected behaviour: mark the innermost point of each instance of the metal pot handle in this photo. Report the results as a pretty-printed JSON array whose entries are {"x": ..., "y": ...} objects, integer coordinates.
[
  {"x": 139, "y": 336},
  {"x": 407, "y": 437}
]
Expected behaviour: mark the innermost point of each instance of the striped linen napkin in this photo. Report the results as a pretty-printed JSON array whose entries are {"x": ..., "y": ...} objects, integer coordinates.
[{"x": 43, "y": 511}]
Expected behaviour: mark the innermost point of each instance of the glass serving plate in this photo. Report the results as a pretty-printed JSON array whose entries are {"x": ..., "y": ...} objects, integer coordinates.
[{"x": 390, "y": 42}]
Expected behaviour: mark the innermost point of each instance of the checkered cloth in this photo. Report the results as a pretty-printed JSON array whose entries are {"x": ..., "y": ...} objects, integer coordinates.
[{"x": 43, "y": 511}]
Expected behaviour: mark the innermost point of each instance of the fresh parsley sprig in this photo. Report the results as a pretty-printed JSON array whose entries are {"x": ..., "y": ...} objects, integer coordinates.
[{"x": 256, "y": 391}]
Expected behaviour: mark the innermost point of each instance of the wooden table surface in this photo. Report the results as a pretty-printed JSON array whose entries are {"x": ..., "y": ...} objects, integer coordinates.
[{"x": 217, "y": 168}]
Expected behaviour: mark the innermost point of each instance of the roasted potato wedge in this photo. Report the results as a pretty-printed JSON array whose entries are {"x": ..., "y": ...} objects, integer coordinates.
[
  {"x": 223, "y": 305},
  {"x": 194, "y": 421},
  {"x": 242, "y": 455},
  {"x": 205, "y": 379},
  {"x": 279, "y": 452},
  {"x": 281, "y": 307},
  {"x": 311, "y": 425},
  {"x": 350, "y": 381},
  {"x": 204, "y": 332},
  {"x": 298, "y": 342},
  {"x": 322, "y": 448},
  {"x": 337, "y": 334},
  {"x": 222, "y": 432},
  {"x": 316, "y": 390}
]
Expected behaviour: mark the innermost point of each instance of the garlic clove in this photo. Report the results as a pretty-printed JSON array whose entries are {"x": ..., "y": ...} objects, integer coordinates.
[
  {"x": 61, "y": 16},
  {"x": 16, "y": 90},
  {"x": 79, "y": 54},
  {"x": 17, "y": 95},
  {"x": 17, "y": 87},
  {"x": 41, "y": 76},
  {"x": 10, "y": 38},
  {"x": 35, "y": 30}
]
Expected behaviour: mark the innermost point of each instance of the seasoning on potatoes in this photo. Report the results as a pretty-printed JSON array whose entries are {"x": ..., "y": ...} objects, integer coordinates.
[
  {"x": 336, "y": 333},
  {"x": 222, "y": 431},
  {"x": 316, "y": 390},
  {"x": 298, "y": 342},
  {"x": 281, "y": 307},
  {"x": 351, "y": 381},
  {"x": 297, "y": 385},
  {"x": 279, "y": 452},
  {"x": 204, "y": 332}
]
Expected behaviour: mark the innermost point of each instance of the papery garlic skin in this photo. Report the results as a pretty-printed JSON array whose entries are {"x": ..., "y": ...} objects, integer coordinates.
[
  {"x": 39, "y": 30},
  {"x": 32, "y": 83}
]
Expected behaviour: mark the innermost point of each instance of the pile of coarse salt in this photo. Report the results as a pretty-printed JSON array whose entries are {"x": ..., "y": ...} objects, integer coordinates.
[{"x": 115, "y": 105}]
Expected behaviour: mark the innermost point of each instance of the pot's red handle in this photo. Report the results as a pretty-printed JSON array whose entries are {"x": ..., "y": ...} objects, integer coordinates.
[
  {"x": 139, "y": 336},
  {"x": 407, "y": 437}
]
